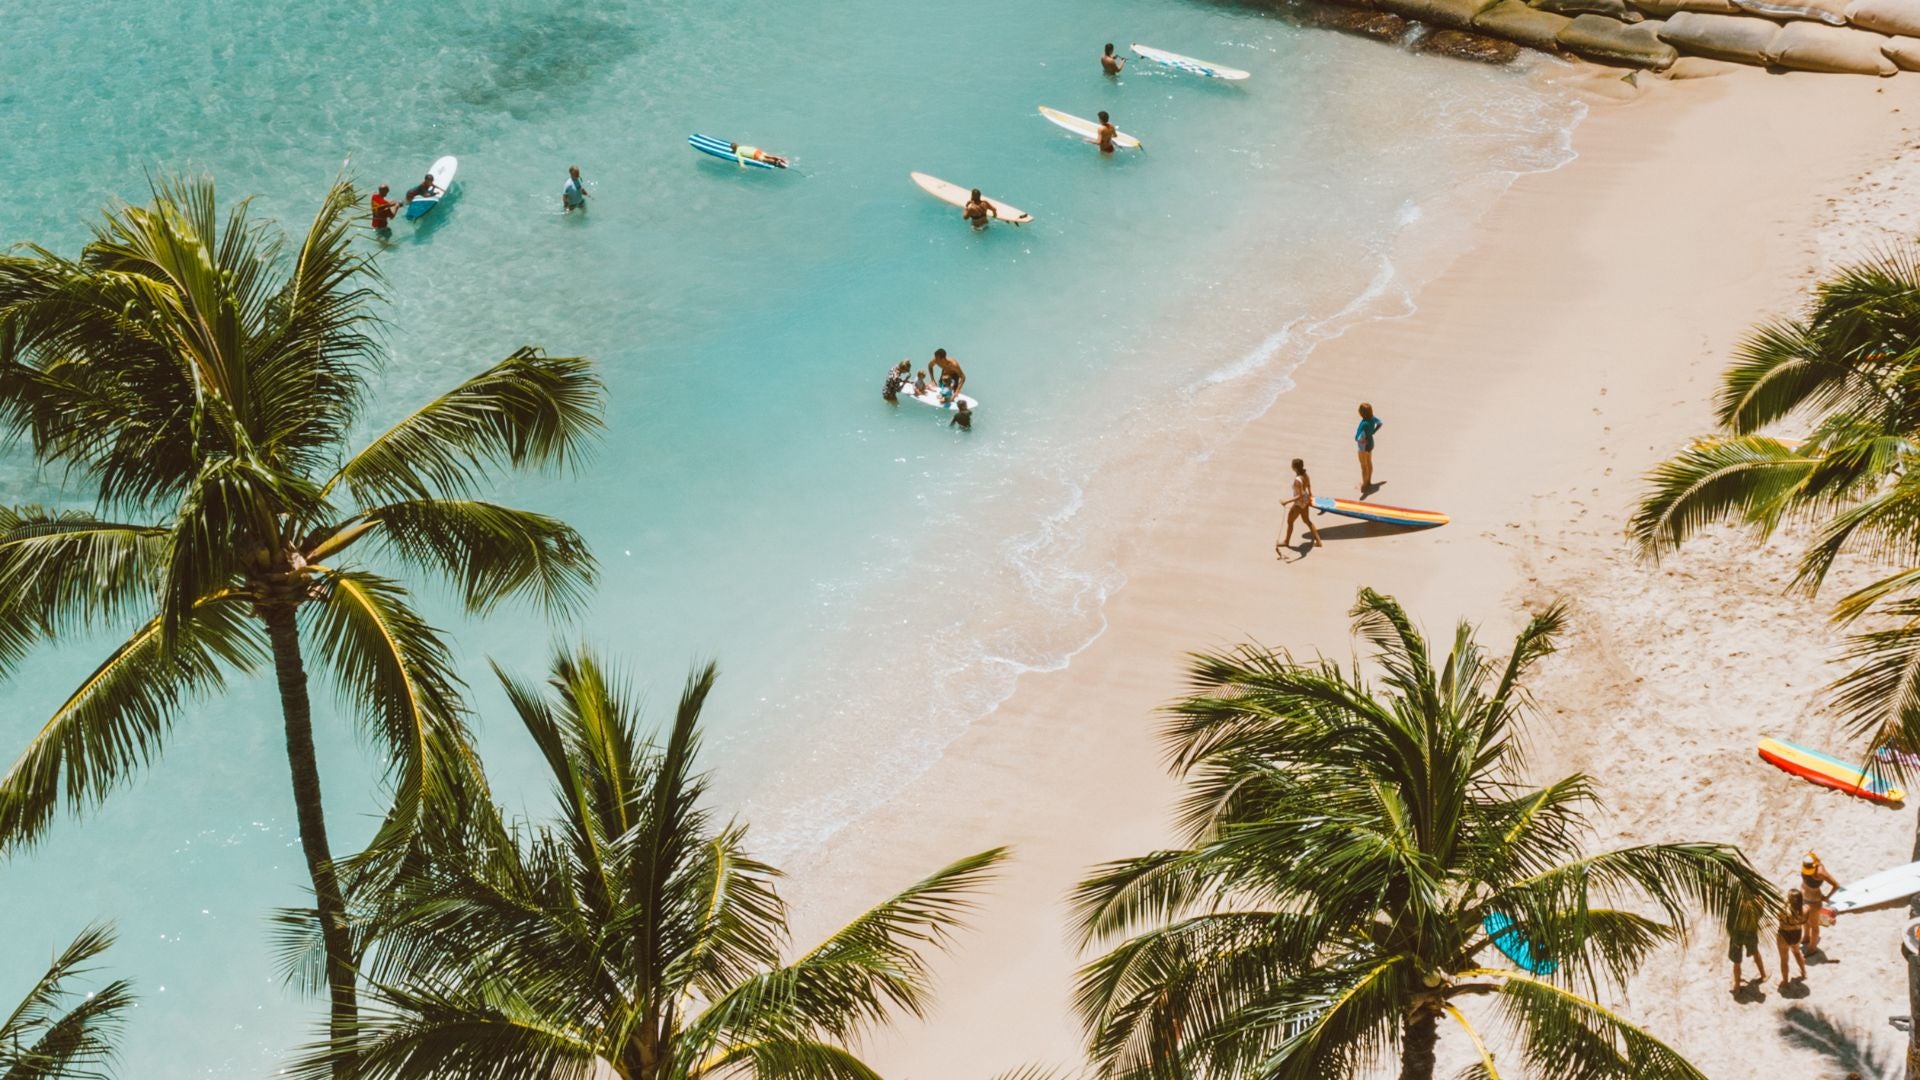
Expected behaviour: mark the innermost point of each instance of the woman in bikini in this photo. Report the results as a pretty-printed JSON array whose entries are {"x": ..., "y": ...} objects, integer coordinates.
[
  {"x": 1297, "y": 507},
  {"x": 1814, "y": 880},
  {"x": 1793, "y": 922}
]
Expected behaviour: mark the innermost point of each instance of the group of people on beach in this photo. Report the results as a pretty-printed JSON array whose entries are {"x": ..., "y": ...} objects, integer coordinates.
[
  {"x": 1796, "y": 925},
  {"x": 942, "y": 388},
  {"x": 1300, "y": 503}
]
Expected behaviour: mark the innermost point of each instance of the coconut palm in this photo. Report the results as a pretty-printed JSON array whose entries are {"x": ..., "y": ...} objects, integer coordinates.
[
  {"x": 1345, "y": 847},
  {"x": 633, "y": 934},
  {"x": 53, "y": 1036},
  {"x": 205, "y": 384},
  {"x": 1849, "y": 368}
]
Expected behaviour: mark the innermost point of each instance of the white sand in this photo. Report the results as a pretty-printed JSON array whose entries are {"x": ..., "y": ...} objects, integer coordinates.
[{"x": 1545, "y": 372}]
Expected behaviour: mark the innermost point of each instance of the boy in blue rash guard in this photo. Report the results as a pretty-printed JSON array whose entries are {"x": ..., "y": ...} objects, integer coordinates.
[{"x": 1363, "y": 442}]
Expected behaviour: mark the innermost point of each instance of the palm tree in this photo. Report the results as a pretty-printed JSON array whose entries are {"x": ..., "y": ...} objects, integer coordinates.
[
  {"x": 1851, "y": 368},
  {"x": 207, "y": 385},
  {"x": 1345, "y": 848},
  {"x": 634, "y": 934},
  {"x": 45, "y": 1039}
]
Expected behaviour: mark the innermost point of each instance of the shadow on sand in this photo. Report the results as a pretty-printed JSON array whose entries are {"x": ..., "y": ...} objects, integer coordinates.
[{"x": 1850, "y": 1049}]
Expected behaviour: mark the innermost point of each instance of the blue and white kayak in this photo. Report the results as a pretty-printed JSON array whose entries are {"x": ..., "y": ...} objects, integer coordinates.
[
  {"x": 442, "y": 172},
  {"x": 724, "y": 150},
  {"x": 1189, "y": 64}
]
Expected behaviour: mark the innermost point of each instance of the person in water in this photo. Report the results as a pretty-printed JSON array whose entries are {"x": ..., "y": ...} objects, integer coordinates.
[
  {"x": 383, "y": 211},
  {"x": 962, "y": 417},
  {"x": 1297, "y": 507},
  {"x": 754, "y": 153},
  {"x": 1105, "y": 134},
  {"x": 422, "y": 190},
  {"x": 1787, "y": 934},
  {"x": 1110, "y": 63},
  {"x": 896, "y": 379},
  {"x": 1813, "y": 881},
  {"x": 945, "y": 370},
  {"x": 573, "y": 194},
  {"x": 1363, "y": 443},
  {"x": 978, "y": 210},
  {"x": 1743, "y": 940}
]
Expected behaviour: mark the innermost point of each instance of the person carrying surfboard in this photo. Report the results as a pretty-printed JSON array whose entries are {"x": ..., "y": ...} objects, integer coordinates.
[
  {"x": 383, "y": 211},
  {"x": 1105, "y": 133},
  {"x": 944, "y": 367},
  {"x": 573, "y": 195},
  {"x": 978, "y": 210},
  {"x": 1110, "y": 63}
]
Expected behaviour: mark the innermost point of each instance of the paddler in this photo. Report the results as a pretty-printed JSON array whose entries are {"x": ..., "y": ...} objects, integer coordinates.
[
  {"x": 754, "y": 153},
  {"x": 944, "y": 368},
  {"x": 978, "y": 210},
  {"x": 422, "y": 190},
  {"x": 383, "y": 211},
  {"x": 1104, "y": 135},
  {"x": 573, "y": 194},
  {"x": 1110, "y": 63}
]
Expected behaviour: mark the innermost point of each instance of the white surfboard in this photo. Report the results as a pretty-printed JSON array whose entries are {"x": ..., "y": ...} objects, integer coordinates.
[
  {"x": 1087, "y": 129},
  {"x": 442, "y": 173},
  {"x": 1189, "y": 64},
  {"x": 956, "y": 195},
  {"x": 1884, "y": 887}
]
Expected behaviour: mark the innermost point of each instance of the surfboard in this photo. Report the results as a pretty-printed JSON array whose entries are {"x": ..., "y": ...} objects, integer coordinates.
[
  {"x": 1882, "y": 888},
  {"x": 442, "y": 173},
  {"x": 1387, "y": 515},
  {"x": 1829, "y": 771},
  {"x": 723, "y": 149},
  {"x": 956, "y": 195},
  {"x": 1189, "y": 64},
  {"x": 932, "y": 397},
  {"x": 1087, "y": 129},
  {"x": 1514, "y": 945}
]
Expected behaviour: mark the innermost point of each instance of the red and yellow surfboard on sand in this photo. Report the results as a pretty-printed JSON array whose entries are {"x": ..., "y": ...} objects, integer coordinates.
[
  {"x": 1829, "y": 771},
  {"x": 1386, "y": 515}
]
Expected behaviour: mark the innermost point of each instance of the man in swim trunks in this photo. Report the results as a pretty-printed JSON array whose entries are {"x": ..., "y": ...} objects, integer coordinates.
[
  {"x": 978, "y": 210},
  {"x": 756, "y": 154},
  {"x": 422, "y": 190},
  {"x": 573, "y": 195},
  {"x": 1110, "y": 63},
  {"x": 1105, "y": 134},
  {"x": 383, "y": 211},
  {"x": 943, "y": 368}
]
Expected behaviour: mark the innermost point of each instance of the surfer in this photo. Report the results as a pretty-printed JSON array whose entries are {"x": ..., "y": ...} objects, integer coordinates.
[
  {"x": 756, "y": 154},
  {"x": 1110, "y": 63},
  {"x": 422, "y": 190},
  {"x": 978, "y": 210},
  {"x": 962, "y": 417},
  {"x": 1297, "y": 507},
  {"x": 1813, "y": 875},
  {"x": 896, "y": 379},
  {"x": 1105, "y": 133},
  {"x": 383, "y": 211},
  {"x": 573, "y": 195},
  {"x": 944, "y": 368},
  {"x": 1363, "y": 442}
]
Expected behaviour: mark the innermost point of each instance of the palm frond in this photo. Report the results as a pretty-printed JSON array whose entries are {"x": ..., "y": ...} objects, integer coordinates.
[
  {"x": 1748, "y": 480},
  {"x": 67, "y": 570},
  {"x": 58, "y": 1032},
  {"x": 1567, "y": 1035},
  {"x": 491, "y": 552}
]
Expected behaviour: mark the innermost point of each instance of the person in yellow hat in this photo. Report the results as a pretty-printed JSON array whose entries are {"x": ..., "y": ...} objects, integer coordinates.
[{"x": 1815, "y": 886}]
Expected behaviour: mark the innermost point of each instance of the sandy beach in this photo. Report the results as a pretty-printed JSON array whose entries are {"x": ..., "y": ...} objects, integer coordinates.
[{"x": 1574, "y": 345}]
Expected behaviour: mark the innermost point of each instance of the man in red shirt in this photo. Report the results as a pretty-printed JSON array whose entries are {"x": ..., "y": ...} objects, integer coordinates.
[{"x": 383, "y": 211}]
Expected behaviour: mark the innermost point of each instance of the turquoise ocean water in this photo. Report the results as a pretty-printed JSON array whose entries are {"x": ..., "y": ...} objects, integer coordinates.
[{"x": 870, "y": 580}]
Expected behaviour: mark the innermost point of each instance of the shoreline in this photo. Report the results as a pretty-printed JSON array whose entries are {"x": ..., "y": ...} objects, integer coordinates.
[{"x": 1600, "y": 299}]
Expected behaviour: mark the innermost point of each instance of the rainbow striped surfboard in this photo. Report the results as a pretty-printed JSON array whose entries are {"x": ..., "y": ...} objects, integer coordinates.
[
  {"x": 1386, "y": 515},
  {"x": 1829, "y": 771}
]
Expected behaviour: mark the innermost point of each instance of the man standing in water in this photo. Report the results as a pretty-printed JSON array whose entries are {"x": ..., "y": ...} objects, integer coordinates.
[
  {"x": 978, "y": 210},
  {"x": 1110, "y": 63},
  {"x": 383, "y": 211},
  {"x": 1363, "y": 443},
  {"x": 573, "y": 196},
  {"x": 944, "y": 368},
  {"x": 1105, "y": 134}
]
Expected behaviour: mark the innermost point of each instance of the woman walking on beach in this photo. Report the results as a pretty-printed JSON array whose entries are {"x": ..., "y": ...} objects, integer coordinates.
[
  {"x": 1786, "y": 935},
  {"x": 1297, "y": 507},
  {"x": 1363, "y": 442}
]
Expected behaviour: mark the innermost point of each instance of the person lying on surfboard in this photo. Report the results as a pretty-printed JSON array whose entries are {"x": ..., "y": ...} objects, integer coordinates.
[
  {"x": 1105, "y": 133},
  {"x": 944, "y": 368},
  {"x": 423, "y": 190},
  {"x": 757, "y": 154},
  {"x": 978, "y": 210},
  {"x": 1110, "y": 63}
]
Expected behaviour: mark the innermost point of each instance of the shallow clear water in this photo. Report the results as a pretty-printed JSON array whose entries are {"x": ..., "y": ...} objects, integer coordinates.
[{"x": 870, "y": 579}]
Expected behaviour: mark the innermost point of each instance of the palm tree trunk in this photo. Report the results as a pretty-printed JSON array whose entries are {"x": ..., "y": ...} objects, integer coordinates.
[
  {"x": 284, "y": 635},
  {"x": 1417, "y": 1045},
  {"x": 1913, "y": 981}
]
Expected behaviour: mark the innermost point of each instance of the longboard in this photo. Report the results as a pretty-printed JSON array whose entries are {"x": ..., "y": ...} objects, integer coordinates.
[
  {"x": 1514, "y": 945},
  {"x": 724, "y": 150},
  {"x": 442, "y": 173},
  {"x": 1829, "y": 771},
  {"x": 956, "y": 195},
  {"x": 1087, "y": 129},
  {"x": 1189, "y": 64},
  {"x": 1388, "y": 515},
  {"x": 1881, "y": 888}
]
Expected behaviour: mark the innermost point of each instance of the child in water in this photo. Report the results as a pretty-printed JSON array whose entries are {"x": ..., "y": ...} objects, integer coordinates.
[
  {"x": 962, "y": 417},
  {"x": 919, "y": 384}
]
